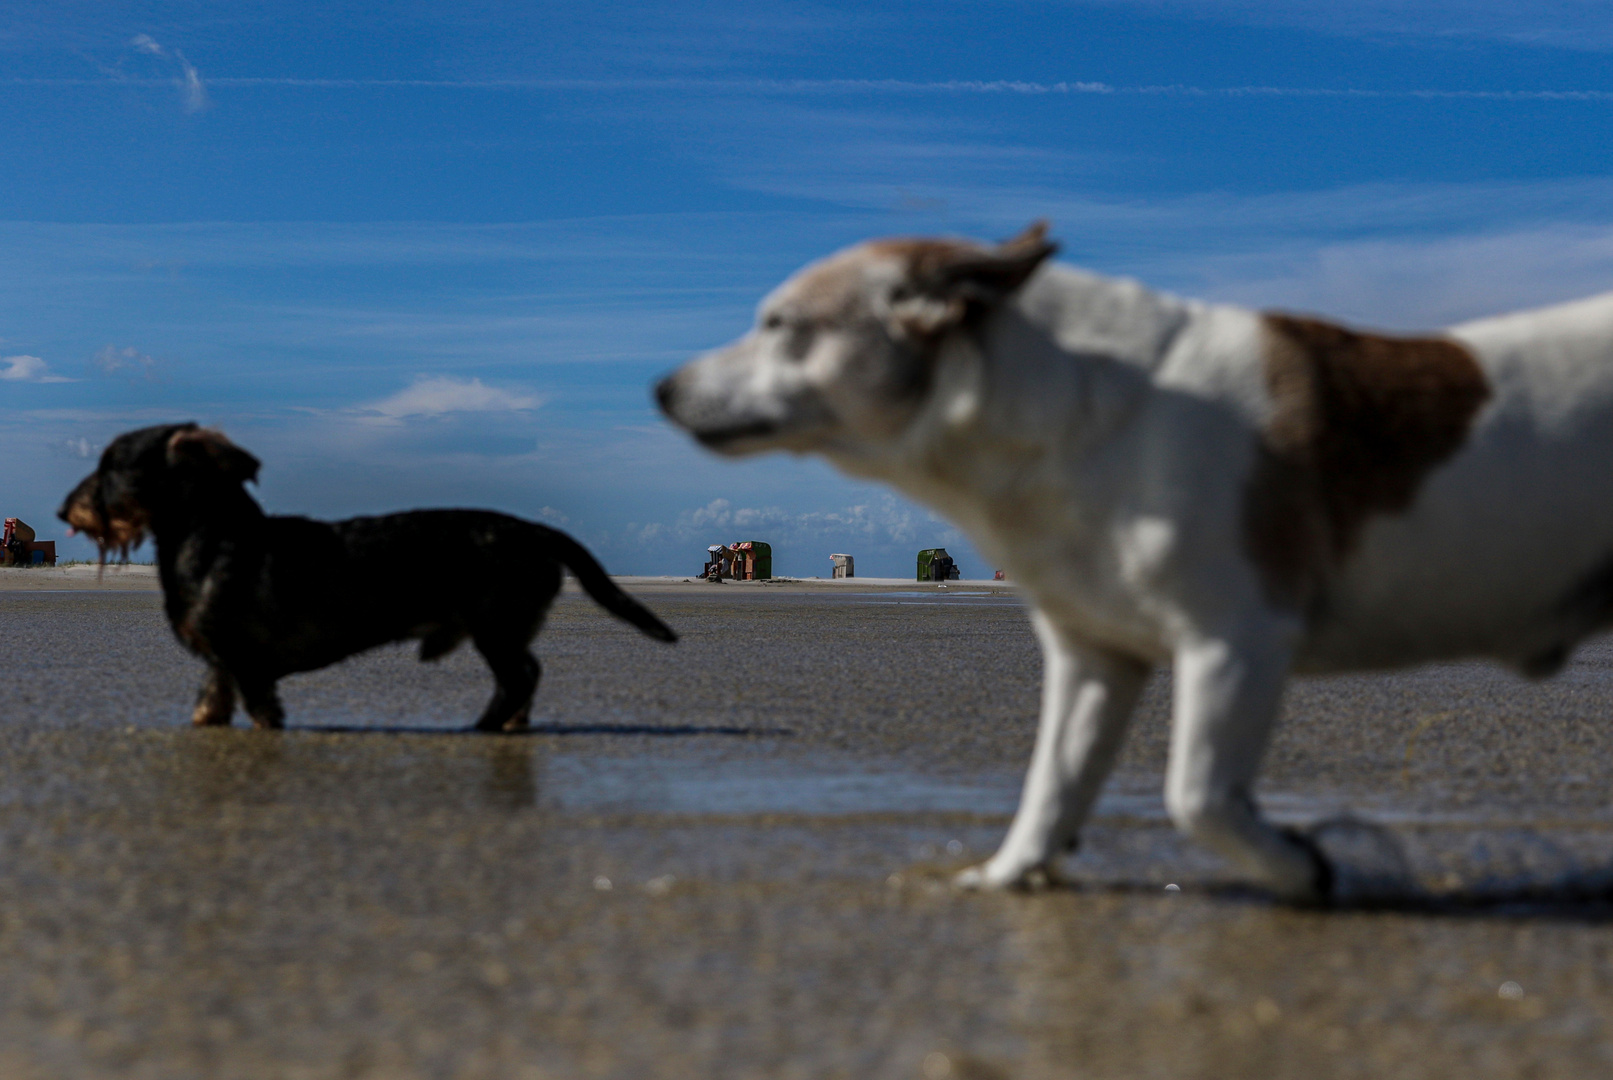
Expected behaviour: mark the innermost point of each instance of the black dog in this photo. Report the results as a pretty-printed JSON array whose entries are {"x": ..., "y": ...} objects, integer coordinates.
[{"x": 260, "y": 597}]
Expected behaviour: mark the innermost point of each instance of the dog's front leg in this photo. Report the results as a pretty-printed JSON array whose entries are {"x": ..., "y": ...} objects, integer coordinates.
[
  {"x": 1087, "y": 696},
  {"x": 215, "y": 702},
  {"x": 1227, "y": 692}
]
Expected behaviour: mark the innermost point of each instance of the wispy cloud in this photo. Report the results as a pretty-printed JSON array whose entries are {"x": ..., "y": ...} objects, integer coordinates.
[
  {"x": 1399, "y": 254},
  {"x": 434, "y": 397},
  {"x": 193, "y": 92},
  {"x": 128, "y": 360},
  {"x": 884, "y": 520},
  {"x": 1417, "y": 283},
  {"x": 78, "y": 447},
  {"x": 28, "y": 369}
]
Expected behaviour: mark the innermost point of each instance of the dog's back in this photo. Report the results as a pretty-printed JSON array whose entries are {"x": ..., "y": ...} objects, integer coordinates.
[
  {"x": 1508, "y": 549},
  {"x": 439, "y": 575}
]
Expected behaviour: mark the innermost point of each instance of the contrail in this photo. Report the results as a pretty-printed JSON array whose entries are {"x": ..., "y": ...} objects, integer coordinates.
[{"x": 769, "y": 87}]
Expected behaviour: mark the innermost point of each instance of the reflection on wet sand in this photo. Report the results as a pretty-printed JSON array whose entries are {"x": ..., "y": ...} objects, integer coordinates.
[
  {"x": 208, "y": 769},
  {"x": 375, "y": 893},
  {"x": 512, "y": 781},
  {"x": 215, "y": 766}
]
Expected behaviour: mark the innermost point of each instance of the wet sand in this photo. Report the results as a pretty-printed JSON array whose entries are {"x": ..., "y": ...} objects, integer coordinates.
[{"x": 729, "y": 858}]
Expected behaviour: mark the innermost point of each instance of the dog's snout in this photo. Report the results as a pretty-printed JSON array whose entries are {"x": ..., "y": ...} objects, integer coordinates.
[{"x": 665, "y": 390}]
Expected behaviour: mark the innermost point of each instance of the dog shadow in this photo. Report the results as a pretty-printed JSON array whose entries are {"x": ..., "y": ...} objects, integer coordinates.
[
  {"x": 656, "y": 730},
  {"x": 1527, "y": 876},
  {"x": 1513, "y": 874}
]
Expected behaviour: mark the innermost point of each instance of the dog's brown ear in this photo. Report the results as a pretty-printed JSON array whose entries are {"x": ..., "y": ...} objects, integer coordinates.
[
  {"x": 985, "y": 274},
  {"x": 207, "y": 448},
  {"x": 947, "y": 282}
]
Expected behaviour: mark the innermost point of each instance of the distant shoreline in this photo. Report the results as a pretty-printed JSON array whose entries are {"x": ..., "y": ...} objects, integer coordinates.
[
  {"x": 143, "y": 577},
  {"x": 80, "y": 576}
]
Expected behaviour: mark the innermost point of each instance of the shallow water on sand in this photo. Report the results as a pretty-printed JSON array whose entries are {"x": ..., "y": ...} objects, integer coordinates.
[{"x": 729, "y": 858}]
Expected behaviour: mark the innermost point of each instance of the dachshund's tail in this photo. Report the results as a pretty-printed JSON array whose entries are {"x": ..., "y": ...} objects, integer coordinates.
[{"x": 592, "y": 577}]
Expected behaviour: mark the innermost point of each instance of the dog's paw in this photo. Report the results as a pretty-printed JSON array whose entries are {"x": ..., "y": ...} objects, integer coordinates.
[
  {"x": 993, "y": 875},
  {"x": 209, "y": 716}
]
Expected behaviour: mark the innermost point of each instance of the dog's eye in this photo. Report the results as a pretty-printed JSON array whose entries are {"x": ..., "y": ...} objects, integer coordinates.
[
  {"x": 798, "y": 343},
  {"x": 773, "y": 321}
]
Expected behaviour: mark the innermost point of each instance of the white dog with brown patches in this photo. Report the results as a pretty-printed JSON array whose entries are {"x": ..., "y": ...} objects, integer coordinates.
[{"x": 1242, "y": 495}]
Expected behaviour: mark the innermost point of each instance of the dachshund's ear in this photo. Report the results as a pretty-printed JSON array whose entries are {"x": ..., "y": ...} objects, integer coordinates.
[{"x": 208, "y": 449}]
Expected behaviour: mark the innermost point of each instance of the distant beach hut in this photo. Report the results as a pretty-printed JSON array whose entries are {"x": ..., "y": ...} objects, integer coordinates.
[
  {"x": 715, "y": 554},
  {"x": 753, "y": 560},
  {"x": 748, "y": 560},
  {"x": 19, "y": 545},
  {"x": 936, "y": 565},
  {"x": 844, "y": 566}
]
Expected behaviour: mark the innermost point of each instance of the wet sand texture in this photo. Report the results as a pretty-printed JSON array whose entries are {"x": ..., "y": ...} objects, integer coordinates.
[{"x": 723, "y": 861}]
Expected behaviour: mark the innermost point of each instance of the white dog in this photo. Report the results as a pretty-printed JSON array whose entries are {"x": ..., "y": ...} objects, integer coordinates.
[{"x": 1242, "y": 495}]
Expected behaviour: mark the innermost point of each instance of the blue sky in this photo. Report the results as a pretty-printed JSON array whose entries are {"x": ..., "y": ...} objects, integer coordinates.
[{"x": 433, "y": 254}]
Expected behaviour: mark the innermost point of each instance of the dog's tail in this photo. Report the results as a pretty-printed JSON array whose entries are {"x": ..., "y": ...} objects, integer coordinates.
[{"x": 592, "y": 577}]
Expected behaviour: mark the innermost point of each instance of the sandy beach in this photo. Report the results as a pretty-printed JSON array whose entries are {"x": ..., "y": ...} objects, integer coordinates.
[
  {"x": 114, "y": 577},
  {"x": 730, "y": 858}
]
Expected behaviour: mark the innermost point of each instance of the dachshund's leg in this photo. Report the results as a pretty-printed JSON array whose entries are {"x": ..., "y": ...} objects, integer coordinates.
[
  {"x": 261, "y": 701},
  {"x": 516, "y": 672},
  {"x": 215, "y": 702}
]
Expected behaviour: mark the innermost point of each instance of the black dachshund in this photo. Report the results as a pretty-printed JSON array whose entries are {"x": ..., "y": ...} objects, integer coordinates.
[{"x": 259, "y": 597}]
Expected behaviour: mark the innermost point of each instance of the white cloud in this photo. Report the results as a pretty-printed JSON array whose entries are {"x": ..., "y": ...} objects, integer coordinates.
[
  {"x": 112, "y": 360},
  {"x": 77, "y": 448},
  {"x": 432, "y": 397},
  {"x": 28, "y": 369},
  {"x": 194, "y": 92}
]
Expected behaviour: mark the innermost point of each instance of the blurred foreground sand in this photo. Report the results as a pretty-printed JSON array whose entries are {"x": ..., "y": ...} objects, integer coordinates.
[{"x": 730, "y": 858}]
